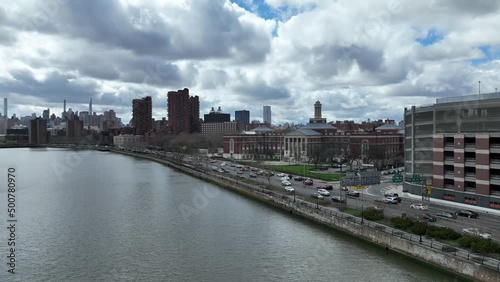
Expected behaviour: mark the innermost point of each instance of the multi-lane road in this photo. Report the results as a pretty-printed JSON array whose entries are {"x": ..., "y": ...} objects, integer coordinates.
[{"x": 485, "y": 222}]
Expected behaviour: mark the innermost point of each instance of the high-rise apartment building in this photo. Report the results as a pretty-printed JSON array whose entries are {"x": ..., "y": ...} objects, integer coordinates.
[
  {"x": 267, "y": 114},
  {"x": 183, "y": 112},
  {"x": 142, "y": 115},
  {"x": 454, "y": 146},
  {"x": 38, "y": 131},
  {"x": 74, "y": 128}
]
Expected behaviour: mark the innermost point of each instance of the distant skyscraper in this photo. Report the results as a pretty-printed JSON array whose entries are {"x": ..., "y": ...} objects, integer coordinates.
[
  {"x": 267, "y": 114},
  {"x": 5, "y": 108},
  {"x": 217, "y": 116},
  {"x": 183, "y": 112},
  {"x": 46, "y": 114},
  {"x": 242, "y": 116},
  {"x": 64, "y": 114},
  {"x": 90, "y": 112},
  {"x": 142, "y": 115}
]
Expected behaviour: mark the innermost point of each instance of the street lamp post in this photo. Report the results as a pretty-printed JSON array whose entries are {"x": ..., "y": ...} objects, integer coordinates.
[
  {"x": 294, "y": 195},
  {"x": 317, "y": 201},
  {"x": 362, "y": 217}
]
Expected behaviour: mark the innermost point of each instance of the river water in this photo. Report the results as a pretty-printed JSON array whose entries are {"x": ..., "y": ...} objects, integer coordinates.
[{"x": 100, "y": 216}]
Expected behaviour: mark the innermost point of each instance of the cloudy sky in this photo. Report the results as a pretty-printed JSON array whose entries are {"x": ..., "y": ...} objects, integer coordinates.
[{"x": 361, "y": 59}]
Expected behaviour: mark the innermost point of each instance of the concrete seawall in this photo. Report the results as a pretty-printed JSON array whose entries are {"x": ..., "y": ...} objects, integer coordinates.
[{"x": 429, "y": 251}]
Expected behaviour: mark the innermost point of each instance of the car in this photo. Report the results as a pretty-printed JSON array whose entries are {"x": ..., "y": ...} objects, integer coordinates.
[
  {"x": 429, "y": 217},
  {"x": 281, "y": 175},
  {"x": 485, "y": 235},
  {"x": 289, "y": 189},
  {"x": 308, "y": 182},
  {"x": 395, "y": 195},
  {"x": 253, "y": 175},
  {"x": 467, "y": 213},
  {"x": 323, "y": 192},
  {"x": 299, "y": 178},
  {"x": 476, "y": 232},
  {"x": 322, "y": 168},
  {"x": 326, "y": 187},
  {"x": 391, "y": 200},
  {"x": 343, "y": 188},
  {"x": 239, "y": 172},
  {"x": 352, "y": 193},
  {"x": 470, "y": 231},
  {"x": 446, "y": 214},
  {"x": 337, "y": 199},
  {"x": 317, "y": 195},
  {"x": 421, "y": 207},
  {"x": 221, "y": 170},
  {"x": 286, "y": 183}
]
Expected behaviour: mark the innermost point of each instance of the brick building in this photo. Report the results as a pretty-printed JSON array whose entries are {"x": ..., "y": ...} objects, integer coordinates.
[
  {"x": 183, "y": 112},
  {"x": 300, "y": 144},
  {"x": 142, "y": 115}
]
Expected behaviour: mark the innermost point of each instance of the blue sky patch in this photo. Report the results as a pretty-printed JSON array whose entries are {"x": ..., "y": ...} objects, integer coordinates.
[
  {"x": 489, "y": 54},
  {"x": 432, "y": 37}
]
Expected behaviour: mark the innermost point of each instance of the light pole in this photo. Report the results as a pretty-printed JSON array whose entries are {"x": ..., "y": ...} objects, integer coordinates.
[
  {"x": 294, "y": 195},
  {"x": 362, "y": 214}
]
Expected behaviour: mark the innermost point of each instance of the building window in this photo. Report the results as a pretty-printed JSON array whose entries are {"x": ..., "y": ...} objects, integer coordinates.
[
  {"x": 495, "y": 205},
  {"x": 469, "y": 200},
  {"x": 450, "y": 197}
]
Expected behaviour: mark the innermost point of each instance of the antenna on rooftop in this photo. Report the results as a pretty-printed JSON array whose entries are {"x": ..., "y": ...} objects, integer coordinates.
[{"x": 479, "y": 87}]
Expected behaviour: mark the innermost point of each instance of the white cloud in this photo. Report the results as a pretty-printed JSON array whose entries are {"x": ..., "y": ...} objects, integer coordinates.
[{"x": 361, "y": 59}]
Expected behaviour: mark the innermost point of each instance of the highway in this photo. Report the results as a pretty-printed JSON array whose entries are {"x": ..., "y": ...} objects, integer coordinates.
[{"x": 485, "y": 222}]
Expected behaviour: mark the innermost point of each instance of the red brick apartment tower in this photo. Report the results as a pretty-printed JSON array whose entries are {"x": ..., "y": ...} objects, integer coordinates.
[
  {"x": 183, "y": 112},
  {"x": 438, "y": 160},
  {"x": 483, "y": 164},
  {"x": 142, "y": 115}
]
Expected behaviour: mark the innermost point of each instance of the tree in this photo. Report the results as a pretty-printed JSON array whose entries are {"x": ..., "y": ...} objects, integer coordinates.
[
  {"x": 316, "y": 153},
  {"x": 419, "y": 228},
  {"x": 349, "y": 153},
  {"x": 331, "y": 152},
  {"x": 376, "y": 154}
]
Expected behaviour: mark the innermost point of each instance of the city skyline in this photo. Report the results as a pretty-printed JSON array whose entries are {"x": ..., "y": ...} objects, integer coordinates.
[{"x": 279, "y": 53}]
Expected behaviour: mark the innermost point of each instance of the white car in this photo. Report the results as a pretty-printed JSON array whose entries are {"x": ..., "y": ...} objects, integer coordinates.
[
  {"x": 289, "y": 189},
  {"x": 286, "y": 183},
  {"x": 421, "y": 207},
  {"x": 281, "y": 175},
  {"x": 323, "y": 192}
]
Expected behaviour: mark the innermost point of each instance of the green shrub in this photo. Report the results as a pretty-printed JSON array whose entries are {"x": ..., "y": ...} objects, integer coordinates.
[
  {"x": 466, "y": 241},
  {"x": 373, "y": 214},
  {"x": 443, "y": 233},
  {"x": 402, "y": 223},
  {"x": 482, "y": 246},
  {"x": 419, "y": 228}
]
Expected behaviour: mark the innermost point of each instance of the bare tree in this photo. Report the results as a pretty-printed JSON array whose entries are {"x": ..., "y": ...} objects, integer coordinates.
[
  {"x": 316, "y": 153},
  {"x": 376, "y": 155},
  {"x": 349, "y": 153}
]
